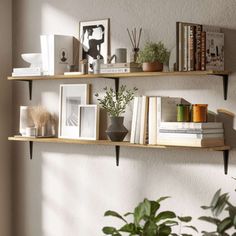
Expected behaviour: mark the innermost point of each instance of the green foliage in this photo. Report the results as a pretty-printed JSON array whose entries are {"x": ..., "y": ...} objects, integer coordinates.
[
  {"x": 147, "y": 221},
  {"x": 153, "y": 52},
  {"x": 220, "y": 203},
  {"x": 115, "y": 102}
]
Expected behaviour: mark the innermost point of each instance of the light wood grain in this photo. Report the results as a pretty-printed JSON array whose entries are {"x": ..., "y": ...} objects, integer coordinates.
[
  {"x": 109, "y": 143},
  {"x": 122, "y": 75}
]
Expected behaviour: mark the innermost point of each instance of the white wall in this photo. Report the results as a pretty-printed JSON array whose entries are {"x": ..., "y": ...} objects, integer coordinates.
[
  {"x": 5, "y": 116},
  {"x": 66, "y": 189}
]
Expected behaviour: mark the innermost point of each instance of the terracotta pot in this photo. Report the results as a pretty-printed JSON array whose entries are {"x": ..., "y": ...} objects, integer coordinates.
[{"x": 152, "y": 66}]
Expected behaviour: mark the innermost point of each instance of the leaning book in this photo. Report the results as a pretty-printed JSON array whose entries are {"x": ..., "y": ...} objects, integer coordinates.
[{"x": 214, "y": 51}]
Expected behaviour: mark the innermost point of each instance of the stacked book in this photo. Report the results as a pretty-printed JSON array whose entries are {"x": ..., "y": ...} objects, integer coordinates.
[
  {"x": 191, "y": 134},
  {"x": 27, "y": 71},
  {"x": 199, "y": 47},
  {"x": 154, "y": 123},
  {"x": 120, "y": 68}
]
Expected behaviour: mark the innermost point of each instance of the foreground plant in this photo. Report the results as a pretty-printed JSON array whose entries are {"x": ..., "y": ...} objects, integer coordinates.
[
  {"x": 115, "y": 102},
  {"x": 147, "y": 221},
  {"x": 220, "y": 204}
]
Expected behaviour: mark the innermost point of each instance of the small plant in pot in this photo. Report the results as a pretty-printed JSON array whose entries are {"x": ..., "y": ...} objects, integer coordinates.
[
  {"x": 115, "y": 104},
  {"x": 153, "y": 56}
]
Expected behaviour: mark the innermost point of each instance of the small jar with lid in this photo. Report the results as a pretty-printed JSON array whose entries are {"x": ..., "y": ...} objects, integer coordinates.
[
  {"x": 199, "y": 113},
  {"x": 183, "y": 112}
]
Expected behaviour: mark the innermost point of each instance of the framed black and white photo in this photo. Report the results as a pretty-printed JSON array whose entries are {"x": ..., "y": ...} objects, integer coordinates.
[
  {"x": 94, "y": 37},
  {"x": 71, "y": 96},
  {"x": 88, "y": 122}
]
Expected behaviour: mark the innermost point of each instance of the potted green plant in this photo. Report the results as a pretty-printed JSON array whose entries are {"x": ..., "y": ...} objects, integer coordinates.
[
  {"x": 115, "y": 104},
  {"x": 153, "y": 56},
  {"x": 148, "y": 221}
]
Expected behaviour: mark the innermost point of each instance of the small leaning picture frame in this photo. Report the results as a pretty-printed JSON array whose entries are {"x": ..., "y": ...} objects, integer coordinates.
[
  {"x": 88, "y": 122},
  {"x": 95, "y": 40},
  {"x": 71, "y": 96}
]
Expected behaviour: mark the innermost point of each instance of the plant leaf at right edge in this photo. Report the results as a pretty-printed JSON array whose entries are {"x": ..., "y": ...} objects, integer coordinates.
[
  {"x": 224, "y": 225},
  {"x": 114, "y": 214}
]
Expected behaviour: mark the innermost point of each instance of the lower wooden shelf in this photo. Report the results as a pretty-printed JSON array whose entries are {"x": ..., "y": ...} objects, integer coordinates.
[{"x": 117, "y": 145}]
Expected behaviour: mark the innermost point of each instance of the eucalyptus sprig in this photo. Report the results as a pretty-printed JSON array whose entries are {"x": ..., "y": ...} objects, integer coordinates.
[{"x": 115, "y": 102}]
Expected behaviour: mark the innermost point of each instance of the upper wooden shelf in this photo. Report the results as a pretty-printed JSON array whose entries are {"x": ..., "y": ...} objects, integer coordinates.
[{"x": 122, "y": 75}]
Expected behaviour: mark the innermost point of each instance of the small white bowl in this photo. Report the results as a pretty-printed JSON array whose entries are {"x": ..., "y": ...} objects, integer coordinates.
[{"x": 35, "y": 59}]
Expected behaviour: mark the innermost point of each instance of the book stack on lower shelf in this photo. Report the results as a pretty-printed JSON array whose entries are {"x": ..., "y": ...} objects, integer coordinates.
[
  {"x": 154, "y": 123},
  {"x": 191, "y": 134}
]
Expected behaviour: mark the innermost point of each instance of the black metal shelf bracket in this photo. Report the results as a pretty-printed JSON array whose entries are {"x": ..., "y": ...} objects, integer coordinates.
[
  {"x": 117, "y": 82},
  {"x": 31, "y": 143},
  {"x": 225, "y": 86},
  {"x": 30, "y": 84},
  {"x": 225, "y": 79},
  {"x": 226, "y": 161},
  {"x": 117, "y": 155}
]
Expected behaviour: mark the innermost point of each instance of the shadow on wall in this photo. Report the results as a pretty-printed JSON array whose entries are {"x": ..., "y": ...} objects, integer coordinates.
[{"x": 227, "y": 118}]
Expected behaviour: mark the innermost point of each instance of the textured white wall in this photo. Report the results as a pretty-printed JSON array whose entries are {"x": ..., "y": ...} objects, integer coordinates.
[
  {"x": 5, "y": 116},
  {"x": 66, "y": 188}
]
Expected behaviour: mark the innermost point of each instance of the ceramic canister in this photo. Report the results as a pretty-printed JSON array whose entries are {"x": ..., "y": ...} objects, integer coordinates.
[{"x": 199, "y": 112}]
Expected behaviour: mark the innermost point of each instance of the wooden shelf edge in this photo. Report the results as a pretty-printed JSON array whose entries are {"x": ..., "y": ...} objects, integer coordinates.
[
  {"x": 109, "y": 143},
  {"x": 121, "y": 75}
]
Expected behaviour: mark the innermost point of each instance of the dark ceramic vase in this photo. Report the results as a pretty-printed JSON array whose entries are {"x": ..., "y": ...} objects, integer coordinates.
[{"x": 116, "y": 131}]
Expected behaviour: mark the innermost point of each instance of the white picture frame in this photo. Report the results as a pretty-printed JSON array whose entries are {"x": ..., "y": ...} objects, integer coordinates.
[
  {"x": 71, "y": 96},
  {"x": 88, "y": 116},
  {"x": 95, "y": 40}
]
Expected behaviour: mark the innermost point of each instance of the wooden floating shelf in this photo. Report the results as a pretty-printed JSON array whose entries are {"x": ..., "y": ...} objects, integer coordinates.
[
  {"x": 122, "y": 75},
  {"x": 117, "y": 145},
  {"x": 109, "y": 143}
]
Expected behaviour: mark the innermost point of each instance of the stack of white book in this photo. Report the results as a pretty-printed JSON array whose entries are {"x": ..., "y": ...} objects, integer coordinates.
[
  {"x": 27, "y": 71},
  {"x": 120, "y": 68},
  {"x": 191, "y": 134},
  {"x": 154, "y": 122}
]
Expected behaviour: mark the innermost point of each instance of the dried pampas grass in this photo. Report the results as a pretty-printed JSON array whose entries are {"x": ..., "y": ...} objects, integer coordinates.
[{"x": 40, "y": 116}]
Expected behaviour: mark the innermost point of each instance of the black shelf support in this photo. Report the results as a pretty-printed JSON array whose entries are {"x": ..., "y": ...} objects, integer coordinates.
[
  {"x": 225, "y": 79},
  {"x": 117, "y": 155},
  {"x": 117, "y": 82},
  {"x": 30, "y": 84},
  {"x": 226, "y": 161},
  {"x": 31, "y": 149},
  {"x": 225, "y": 86}
]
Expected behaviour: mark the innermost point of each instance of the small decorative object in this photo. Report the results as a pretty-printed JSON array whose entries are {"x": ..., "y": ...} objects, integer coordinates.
[
  {"x": 89, "y": 122},
  {"x": 97, "y": 65},
  {"x": 115, "y": 104},
  {"x": 30, "y": 132},
  {"x": 40, "y": 117},
  {"x": 35, "y": 59},
  {"x": 94, "y": 37},
  {"x": 199, "y": 113},
  {"x": 71, "y": 96},
  {"x": 53, "y": 122},
  {"x": 84, "y": 66},
  {"x": 120, "y": 56},
  {"x": 25, "y": 119},
  {"x": 135, "y": 40},
  {"x": 183, "y": 112},
  {"x": 153, "y": 56}
]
